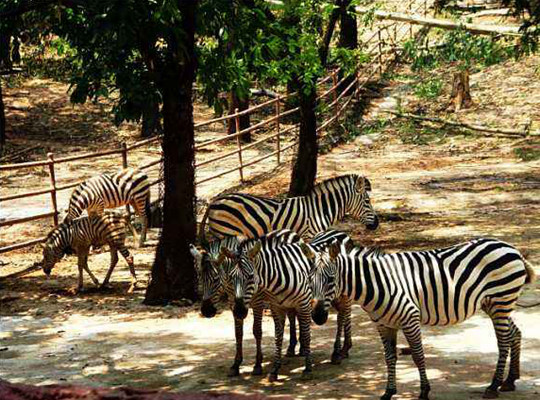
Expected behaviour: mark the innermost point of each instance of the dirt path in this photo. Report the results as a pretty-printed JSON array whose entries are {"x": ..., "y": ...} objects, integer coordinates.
[{"x": 427, "y": 196}]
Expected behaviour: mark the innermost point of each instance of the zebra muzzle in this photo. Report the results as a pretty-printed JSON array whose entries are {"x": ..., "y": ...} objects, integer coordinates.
[
  {"x": 240, "y": 310},
  {"x": 373, "y": 225},
  {"x": 319, "y": 314},
  {"x": 208, "y": 309}
]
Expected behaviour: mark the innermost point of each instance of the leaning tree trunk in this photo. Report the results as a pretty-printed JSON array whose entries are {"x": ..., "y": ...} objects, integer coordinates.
[
  {"x": 461, "y": 92},
  {"x": 305, "y": 166},
  {"x": 151, "y": 123},
  {"x": 2, "y": 122},
  {"x": 348, "y": 35},
  {"x": 173, "y": 273},
  {"x": 236, "y": 102}
]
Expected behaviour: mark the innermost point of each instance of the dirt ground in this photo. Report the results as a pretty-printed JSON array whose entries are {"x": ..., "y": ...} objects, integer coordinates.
[{"x": 431, "y": 188}]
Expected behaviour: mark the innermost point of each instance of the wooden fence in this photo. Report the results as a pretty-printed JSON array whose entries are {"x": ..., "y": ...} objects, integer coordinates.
[{"x": 382, "y": 48}]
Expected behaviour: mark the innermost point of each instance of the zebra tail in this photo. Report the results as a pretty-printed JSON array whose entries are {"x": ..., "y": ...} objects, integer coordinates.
[
  {"x": 531, "y": 275},
  {"x": 147, "y": 210}
]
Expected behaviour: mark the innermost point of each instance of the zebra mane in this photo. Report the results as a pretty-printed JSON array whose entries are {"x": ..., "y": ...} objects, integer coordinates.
[{"x": 321, "y": 187}]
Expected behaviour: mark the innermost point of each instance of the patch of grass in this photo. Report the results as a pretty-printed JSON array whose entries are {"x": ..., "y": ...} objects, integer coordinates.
[
  {"x": 527, "y": 153},
  {"x": 412, "y": 133},
  {"x": 430, "y": 89}
]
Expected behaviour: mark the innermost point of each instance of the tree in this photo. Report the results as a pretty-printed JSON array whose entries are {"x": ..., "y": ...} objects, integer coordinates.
[{"x": 348, "y": 34}]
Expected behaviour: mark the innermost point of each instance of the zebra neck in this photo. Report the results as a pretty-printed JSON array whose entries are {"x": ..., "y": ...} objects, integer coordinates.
[{"x": 326, "y": 208}]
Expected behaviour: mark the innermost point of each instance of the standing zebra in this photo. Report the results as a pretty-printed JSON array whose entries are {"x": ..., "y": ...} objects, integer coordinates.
[
  {"x": 213, "y": 270},
  {"x": 127, "y": 186},
  {"x": 81, "y": 233},
  {"x": 253, "y": 216},
  {"x": 435, "y": 287},
  {"x": 280, "y": 276}
]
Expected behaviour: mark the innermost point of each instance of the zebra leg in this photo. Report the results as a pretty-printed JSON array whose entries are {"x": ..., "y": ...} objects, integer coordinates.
[
  {"x": 257, "y": 333},
  {"x": 239, "y": 336},
  {"x": 291, "y": 315},
  {"x": 501, "y": 323},
  {"x": 129, "y": 259},
  {"x": 279, "y": 324},
  {"x": 336, "y": 355},
  {"x": 414, "y": 338},
  {"x": 515, "y": 350},
  {"x": 114, "y": 261},
  {"x": 304, "y": 320},
  {"x": 389, "y": 339}
]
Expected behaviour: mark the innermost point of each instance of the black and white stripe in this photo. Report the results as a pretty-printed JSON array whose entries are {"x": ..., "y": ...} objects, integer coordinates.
[
  {"x": 279, "y": 274},
  {"x": 436, "y": 287},
  {"x": 253, "y": 216},
  {"x": 76, "y": 236},
  {"x": 127, "y": 186}
]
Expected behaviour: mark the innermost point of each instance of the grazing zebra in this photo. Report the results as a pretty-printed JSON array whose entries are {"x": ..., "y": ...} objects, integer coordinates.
[
  {"x": 435, "y": 287},
  {"x": 213, "y": 270},
  {"x": 279, "y": 275},
  {"x": 342, "y": 304},
  {"x": 253, "y": 216},
  {"x": 127, "y": 186},
  {"x": 79, "y": 234}
]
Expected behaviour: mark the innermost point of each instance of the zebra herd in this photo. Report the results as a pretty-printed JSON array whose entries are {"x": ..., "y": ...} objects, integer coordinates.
[{"x": 280, "y": 254}]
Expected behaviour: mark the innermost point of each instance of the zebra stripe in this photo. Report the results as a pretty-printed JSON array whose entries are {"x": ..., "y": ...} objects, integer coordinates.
[
  {"x": 253, "y": 216},
  {"x": 280, "y": 275},
  {"x": 127, "y": 186},
  {"x": 435, "y": 287},
  {"x": 213, "y": 270},
  {"x": 79, "y": 234}
]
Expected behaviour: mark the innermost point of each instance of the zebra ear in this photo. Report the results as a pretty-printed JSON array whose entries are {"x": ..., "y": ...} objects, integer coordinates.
[
  {"x": 197, "y": 255},
  {"x": 334, "y": 250},
  {"x": 307, "y": 250},
  {"x": 252, "y": 253}
]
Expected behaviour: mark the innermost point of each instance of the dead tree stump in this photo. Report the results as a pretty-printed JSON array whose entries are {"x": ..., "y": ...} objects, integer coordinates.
[{"x": 461, "y": 92}]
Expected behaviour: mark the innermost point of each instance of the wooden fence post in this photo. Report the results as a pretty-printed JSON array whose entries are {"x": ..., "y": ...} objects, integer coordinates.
[
  {"x": 239, "y": 143},
  {"x": 409, "y": 10},
  {"x": 334, "y": 93},
  {"x": 278, "y": 113},
  {"x": 50, "y": 158},
  {"x": 379, "y": 56}
]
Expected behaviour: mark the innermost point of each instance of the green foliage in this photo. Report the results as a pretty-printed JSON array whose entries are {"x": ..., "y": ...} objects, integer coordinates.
[
  {"x": 412, "y": 133},
  {"x": 429, "y": 89},
  {"x": 531, "y": 153},
  {"x": 460, "y": 47}
]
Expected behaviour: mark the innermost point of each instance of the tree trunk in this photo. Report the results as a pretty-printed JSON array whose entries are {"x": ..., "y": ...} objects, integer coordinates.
[
  {"x": 461, "y": 92},
  {"x": 305, "y": 166},
  {"x": 173, "y": 273},
  {"x": 348, "y": 36},
  {"x": 5, "y": 51},
  {"x": 2, "y": 122},
  {"x": 151, "y": 123},
  {"x": 242, "y": 104}
]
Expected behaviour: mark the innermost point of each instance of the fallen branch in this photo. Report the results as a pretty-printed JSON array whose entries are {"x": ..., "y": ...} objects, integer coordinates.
[
  {"x": 478, "y": 128},
  {"x": 481, "y": 29},
  {"x": 34, "y": 267}
]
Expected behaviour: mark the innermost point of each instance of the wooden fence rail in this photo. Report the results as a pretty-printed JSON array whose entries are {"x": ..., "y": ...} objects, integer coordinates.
[{"x": 335, "y": 107}]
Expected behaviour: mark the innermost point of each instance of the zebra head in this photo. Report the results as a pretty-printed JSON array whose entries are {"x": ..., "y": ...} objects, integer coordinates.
[
  {"x": 359, "y": 204},
  {"x": 210, "y": 268},
  {"x": 51, "y": 255},
  {"x": 323, "y": 282},
  {"x": 243, "y": 279}
]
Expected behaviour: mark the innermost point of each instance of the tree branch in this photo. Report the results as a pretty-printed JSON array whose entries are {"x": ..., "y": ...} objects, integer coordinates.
[{"x": 329, "y": 32}]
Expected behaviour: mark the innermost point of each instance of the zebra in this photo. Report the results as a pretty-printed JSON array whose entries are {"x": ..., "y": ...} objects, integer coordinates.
[
  {"x": 280, "y": 276},
  {"x": 127, "y": 186},
  {"x": 252, "y": 216},
  {"x": 79, "y": 234},
  {"x": 213, "y": 271},
  {"x": 434, "y": 287},
  {"x": 342, "y": 304}
]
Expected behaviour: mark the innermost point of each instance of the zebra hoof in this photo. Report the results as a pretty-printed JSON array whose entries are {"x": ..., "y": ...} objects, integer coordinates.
[
  {"x": 257, "y": 370},
  {"x": 508, "y": 386},
  {"x": 336, "y": 359},
  {"x": 290, "y": 352},
  {"x": 272, "y": 377},
  {"x": 388, "y": 394},
  {"x": 490, "y": 393},
  {"x": 233, "y": 371}
]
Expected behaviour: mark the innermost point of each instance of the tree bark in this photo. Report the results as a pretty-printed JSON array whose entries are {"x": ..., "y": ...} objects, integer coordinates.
[
  {"x": 242, "y": 104},
  {"x": 348, "y": 35},
  {"x": 5, "y": 51},
  {"x": 305, "y": 167},
  {"x": 461, "y": 92},
  {"x": 151, "y": 123},
  {"x": 2, "y": 122},
  {"x": 173, "y": 273}
]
